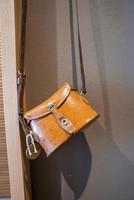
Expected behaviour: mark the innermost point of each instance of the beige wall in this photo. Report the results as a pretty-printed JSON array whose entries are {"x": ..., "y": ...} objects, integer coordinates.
[{"x": 99, "y": 165}]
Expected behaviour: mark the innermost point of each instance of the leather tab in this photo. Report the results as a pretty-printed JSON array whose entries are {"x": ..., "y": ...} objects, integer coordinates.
[{"x": 64, "y": 122}]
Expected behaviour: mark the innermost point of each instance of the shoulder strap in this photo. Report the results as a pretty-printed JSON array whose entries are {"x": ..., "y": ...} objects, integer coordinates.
[
  {"x": 23, "y": 36},
  {"x": 82, "y": 72},
  {"x": 21, "y": 71}
]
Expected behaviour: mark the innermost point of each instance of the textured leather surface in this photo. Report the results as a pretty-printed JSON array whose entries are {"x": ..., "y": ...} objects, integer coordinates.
[{"x": 71, "y": 105}]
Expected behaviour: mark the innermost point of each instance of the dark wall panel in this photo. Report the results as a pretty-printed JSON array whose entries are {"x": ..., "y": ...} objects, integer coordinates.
[{"x": 100, "y": 164}]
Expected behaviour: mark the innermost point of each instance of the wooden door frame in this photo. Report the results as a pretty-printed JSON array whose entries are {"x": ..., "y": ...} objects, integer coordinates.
[{"x": 15, "y": 158}]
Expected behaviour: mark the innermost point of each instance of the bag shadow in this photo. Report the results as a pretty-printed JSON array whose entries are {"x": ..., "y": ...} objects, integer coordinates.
[{"x": 74, "y": 161}]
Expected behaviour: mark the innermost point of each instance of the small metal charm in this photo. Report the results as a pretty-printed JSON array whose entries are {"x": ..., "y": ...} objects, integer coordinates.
[{"x": 33, "y": 150}]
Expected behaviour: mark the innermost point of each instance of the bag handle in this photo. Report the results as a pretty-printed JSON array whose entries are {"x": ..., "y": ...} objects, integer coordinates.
[{"x": 21, "y": 71}]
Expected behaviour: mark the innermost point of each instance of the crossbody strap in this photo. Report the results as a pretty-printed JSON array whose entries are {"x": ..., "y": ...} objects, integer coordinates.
[
  {"x": 82, "y": 72},
  {"x": 21, "y": 72},
  {"x": 23, "y": 36}
]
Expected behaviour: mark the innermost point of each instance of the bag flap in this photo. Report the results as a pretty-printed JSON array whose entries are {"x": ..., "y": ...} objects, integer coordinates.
[{"x": 41, "y": 110}]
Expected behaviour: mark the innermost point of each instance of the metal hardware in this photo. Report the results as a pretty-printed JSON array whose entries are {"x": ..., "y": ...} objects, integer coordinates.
[
  {"x": 65, "y": 121},
  {"x": 20, "y": 77},
  {"x": 33, "y": 150},
  {"x": 83, "y": 93},
  {"x": 51, "y": 105},
  {"x": 84, "y": 96}
]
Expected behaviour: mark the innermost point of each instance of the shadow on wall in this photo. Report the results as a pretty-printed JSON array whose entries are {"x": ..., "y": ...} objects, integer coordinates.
[
  {"x": 73, "y": 161},
  {"x": 115, "y": 178}
]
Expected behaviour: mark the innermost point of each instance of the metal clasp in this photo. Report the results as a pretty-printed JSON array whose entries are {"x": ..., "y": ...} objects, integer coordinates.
[
  {"x": 20, "y": 77},
  {"x": 84, "y": 96},
  {"x": 33, "y": 150}
]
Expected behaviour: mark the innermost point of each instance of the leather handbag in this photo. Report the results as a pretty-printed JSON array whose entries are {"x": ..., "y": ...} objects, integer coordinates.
[{"x": 58, "y": 118}]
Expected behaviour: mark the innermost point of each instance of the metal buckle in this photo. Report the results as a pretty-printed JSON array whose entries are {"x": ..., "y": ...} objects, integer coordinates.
[
  {"x": 84, "y": 96},
  {"x": 20, "y": 76},
  {"x": 33, "y": 150}
]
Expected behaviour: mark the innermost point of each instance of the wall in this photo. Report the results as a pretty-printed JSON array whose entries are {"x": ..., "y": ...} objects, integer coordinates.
[{"x": 99, "y": 164}]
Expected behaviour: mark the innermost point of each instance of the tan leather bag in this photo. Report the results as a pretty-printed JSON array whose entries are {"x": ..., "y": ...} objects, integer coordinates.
[
  {"x": 59, "y": 117},
  {"x": 54, "y": 121}
]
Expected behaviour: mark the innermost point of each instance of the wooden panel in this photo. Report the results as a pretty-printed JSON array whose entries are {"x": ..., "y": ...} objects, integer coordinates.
[
  {"x": 10, "y": 100},
  {"x": 4, "y": 176}
]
